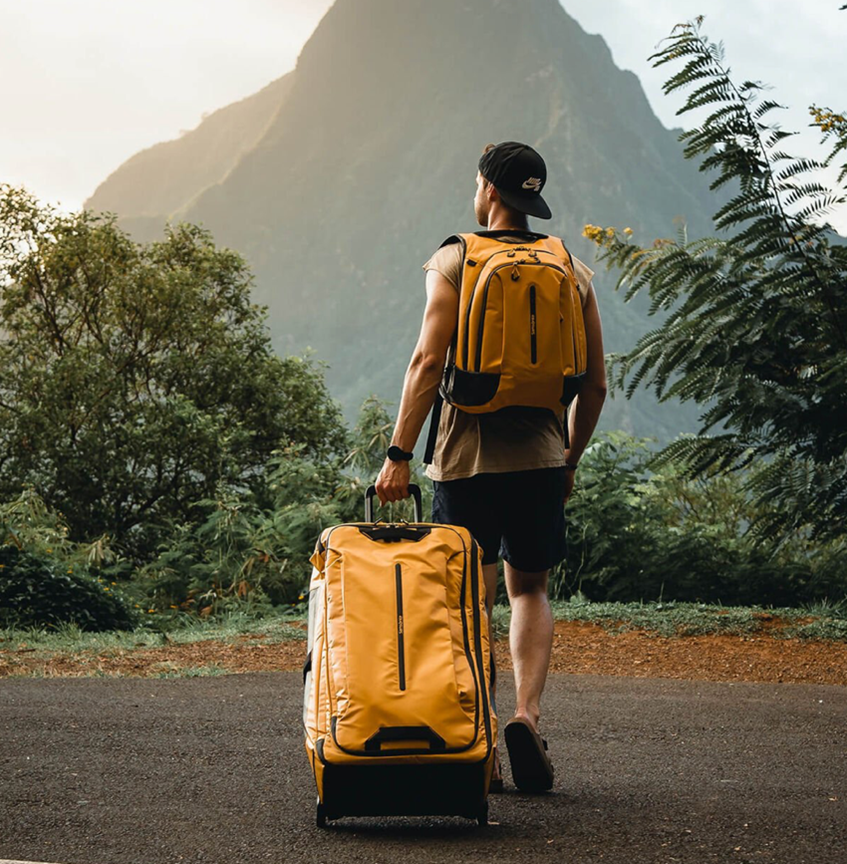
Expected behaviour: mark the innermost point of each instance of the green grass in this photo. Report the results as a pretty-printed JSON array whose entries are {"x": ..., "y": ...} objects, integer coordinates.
[
  {"x": 231, "y": 627},
  {"x": 819, "y": 621},
  {"x": 700, "y": 619}
]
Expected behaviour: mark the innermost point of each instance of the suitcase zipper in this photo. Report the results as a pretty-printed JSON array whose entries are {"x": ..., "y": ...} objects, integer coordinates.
[
  {"x": 481, "y": 700},
  {"x": 475, "y": 591},
  {"x": 401, "y": 649}
]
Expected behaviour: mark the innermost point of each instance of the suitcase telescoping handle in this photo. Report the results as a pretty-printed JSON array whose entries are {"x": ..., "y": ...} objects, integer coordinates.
[{"x": 415, "y": 492}]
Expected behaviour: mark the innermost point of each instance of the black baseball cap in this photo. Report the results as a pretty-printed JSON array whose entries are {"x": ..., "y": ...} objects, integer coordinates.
[{"x": 518, "y": 173}]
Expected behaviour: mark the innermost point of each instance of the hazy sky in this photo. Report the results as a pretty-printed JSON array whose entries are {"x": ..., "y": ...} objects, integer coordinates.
[{"x": 88, "y": 83}]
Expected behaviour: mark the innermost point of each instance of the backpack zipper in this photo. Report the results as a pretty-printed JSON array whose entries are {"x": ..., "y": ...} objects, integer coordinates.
[
  {"x": 482, "y": 264},
  {"x": 401, "y": 650},
  {"x": 533, "y": 339},
  {"x": 481, "y": 326}
]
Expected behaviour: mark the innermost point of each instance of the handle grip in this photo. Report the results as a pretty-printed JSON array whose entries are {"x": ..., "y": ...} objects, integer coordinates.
[
  {"x": 414, "y": 491},
  {"x": 405, "y": 733}
]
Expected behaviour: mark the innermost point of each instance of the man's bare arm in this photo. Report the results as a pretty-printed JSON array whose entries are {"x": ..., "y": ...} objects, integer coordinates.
[
  {"x": 421, "y": 382},
  {"x": 585, "y": 411}
]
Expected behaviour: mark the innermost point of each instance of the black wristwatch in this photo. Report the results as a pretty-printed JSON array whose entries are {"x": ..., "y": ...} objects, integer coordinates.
[{"x": 395, "y": 454}]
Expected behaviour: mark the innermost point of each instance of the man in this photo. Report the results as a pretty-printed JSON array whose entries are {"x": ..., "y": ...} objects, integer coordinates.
[{"x": 505, "y": 475}]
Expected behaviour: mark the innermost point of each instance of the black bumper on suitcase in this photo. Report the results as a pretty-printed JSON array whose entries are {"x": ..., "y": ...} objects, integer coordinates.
[{"x": 404, "y": 790}]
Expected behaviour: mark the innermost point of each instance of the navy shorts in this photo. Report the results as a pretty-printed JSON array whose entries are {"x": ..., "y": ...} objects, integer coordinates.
[{"x": 517, "y": 515}]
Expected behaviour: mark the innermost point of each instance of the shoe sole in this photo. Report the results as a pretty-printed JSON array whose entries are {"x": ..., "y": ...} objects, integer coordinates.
[{"x": 531, "y": 769}]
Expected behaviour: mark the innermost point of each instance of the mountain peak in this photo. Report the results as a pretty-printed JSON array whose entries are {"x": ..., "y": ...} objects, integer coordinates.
[{"x": 369, "y": 161}]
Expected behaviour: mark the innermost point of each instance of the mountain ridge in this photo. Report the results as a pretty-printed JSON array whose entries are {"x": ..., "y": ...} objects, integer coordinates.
[{"x": 371, "y": 157}]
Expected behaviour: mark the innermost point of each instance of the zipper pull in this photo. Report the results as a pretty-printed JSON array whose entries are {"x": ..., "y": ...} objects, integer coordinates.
[{"x": 516, "y": 273}]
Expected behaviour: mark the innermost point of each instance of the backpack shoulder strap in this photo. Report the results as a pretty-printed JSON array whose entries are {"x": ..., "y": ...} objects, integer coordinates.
[
  {"x": 455, "y": 238},
  {"x": 557, "y": 241},
  {"x": 434, "y": 422},
  {"x": 567, "y": 253},
  {"x": 435, "y": 416}
]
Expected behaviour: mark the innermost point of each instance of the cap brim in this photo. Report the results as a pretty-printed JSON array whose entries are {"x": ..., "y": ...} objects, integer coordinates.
[{"x": 532, "y": 204}]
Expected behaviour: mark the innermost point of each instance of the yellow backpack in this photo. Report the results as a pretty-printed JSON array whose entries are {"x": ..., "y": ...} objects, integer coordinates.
[
  {"x": 521, "y": 334},
  {"x": 520, "y": 339}
]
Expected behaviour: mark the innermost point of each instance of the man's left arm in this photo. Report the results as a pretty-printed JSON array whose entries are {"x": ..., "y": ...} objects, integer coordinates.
[{"x": 422, "y": 379}]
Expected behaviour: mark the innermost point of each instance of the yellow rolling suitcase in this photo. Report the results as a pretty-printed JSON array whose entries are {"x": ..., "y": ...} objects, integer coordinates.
[{"x": 397, "y": 714}]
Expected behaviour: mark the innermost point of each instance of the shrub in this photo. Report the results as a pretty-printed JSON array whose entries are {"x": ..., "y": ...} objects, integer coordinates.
[
  {"x": 635, "y": 535},
  {"x": 38, "y": 592}
]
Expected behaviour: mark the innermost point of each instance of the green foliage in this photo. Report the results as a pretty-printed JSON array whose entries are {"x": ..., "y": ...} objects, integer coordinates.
[
  {"x": 371, "y": 439},
  {"x": 47, "y": 580},
  {"x": 637, "y": 535},
  {"x": 28, "y": 523},
  {"x": 254, "y": 548},
  {"x": 134, "y": 379},
  {"x": 756, "y": 317},
  {"x": 40, "y": 592}
]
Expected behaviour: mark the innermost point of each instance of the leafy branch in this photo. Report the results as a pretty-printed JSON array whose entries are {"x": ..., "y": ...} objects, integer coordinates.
[{"x": 753, "y": 328}]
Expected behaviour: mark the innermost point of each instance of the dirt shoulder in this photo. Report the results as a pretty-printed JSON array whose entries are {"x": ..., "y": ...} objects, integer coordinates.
[{"x": 578, "y": 648}]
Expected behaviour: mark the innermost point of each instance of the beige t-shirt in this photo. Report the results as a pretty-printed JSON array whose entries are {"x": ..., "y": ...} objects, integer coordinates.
[{"x": 512, "y": 439}]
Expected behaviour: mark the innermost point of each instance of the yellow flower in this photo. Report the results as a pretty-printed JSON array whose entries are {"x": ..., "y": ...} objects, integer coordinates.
[
  {"x": 610, "y": 232},
  {"x": 49, "y": 551},
  {"x": 151, "y": 610},
  {"x": 70, "y": 570},
  {"x": 627, "y": 231},
  {"x": 113, "y": 583}
]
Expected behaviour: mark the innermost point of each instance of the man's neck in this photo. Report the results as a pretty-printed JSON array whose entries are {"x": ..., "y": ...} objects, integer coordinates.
[
  {"x": 502, "y": 220},
  {"x": 501, "y": 223}
]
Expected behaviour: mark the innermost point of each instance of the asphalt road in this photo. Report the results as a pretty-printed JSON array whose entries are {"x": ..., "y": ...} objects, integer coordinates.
[{"x": 106, "y": 771}]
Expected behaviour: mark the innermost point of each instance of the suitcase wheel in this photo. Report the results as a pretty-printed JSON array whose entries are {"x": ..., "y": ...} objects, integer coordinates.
[
  {"x": 482, "y": 816},
  {"x": 320, "y": 815}
]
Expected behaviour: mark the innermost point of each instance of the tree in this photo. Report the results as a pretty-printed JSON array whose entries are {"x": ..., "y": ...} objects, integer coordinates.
[
  {"x": 135, "y": 378},
  {"x": 253, "y": 548},
  {"x": 756, "y": 324}
]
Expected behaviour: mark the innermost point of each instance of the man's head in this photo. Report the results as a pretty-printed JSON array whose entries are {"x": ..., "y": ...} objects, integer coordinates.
[{"x": 517, "y": 174}]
